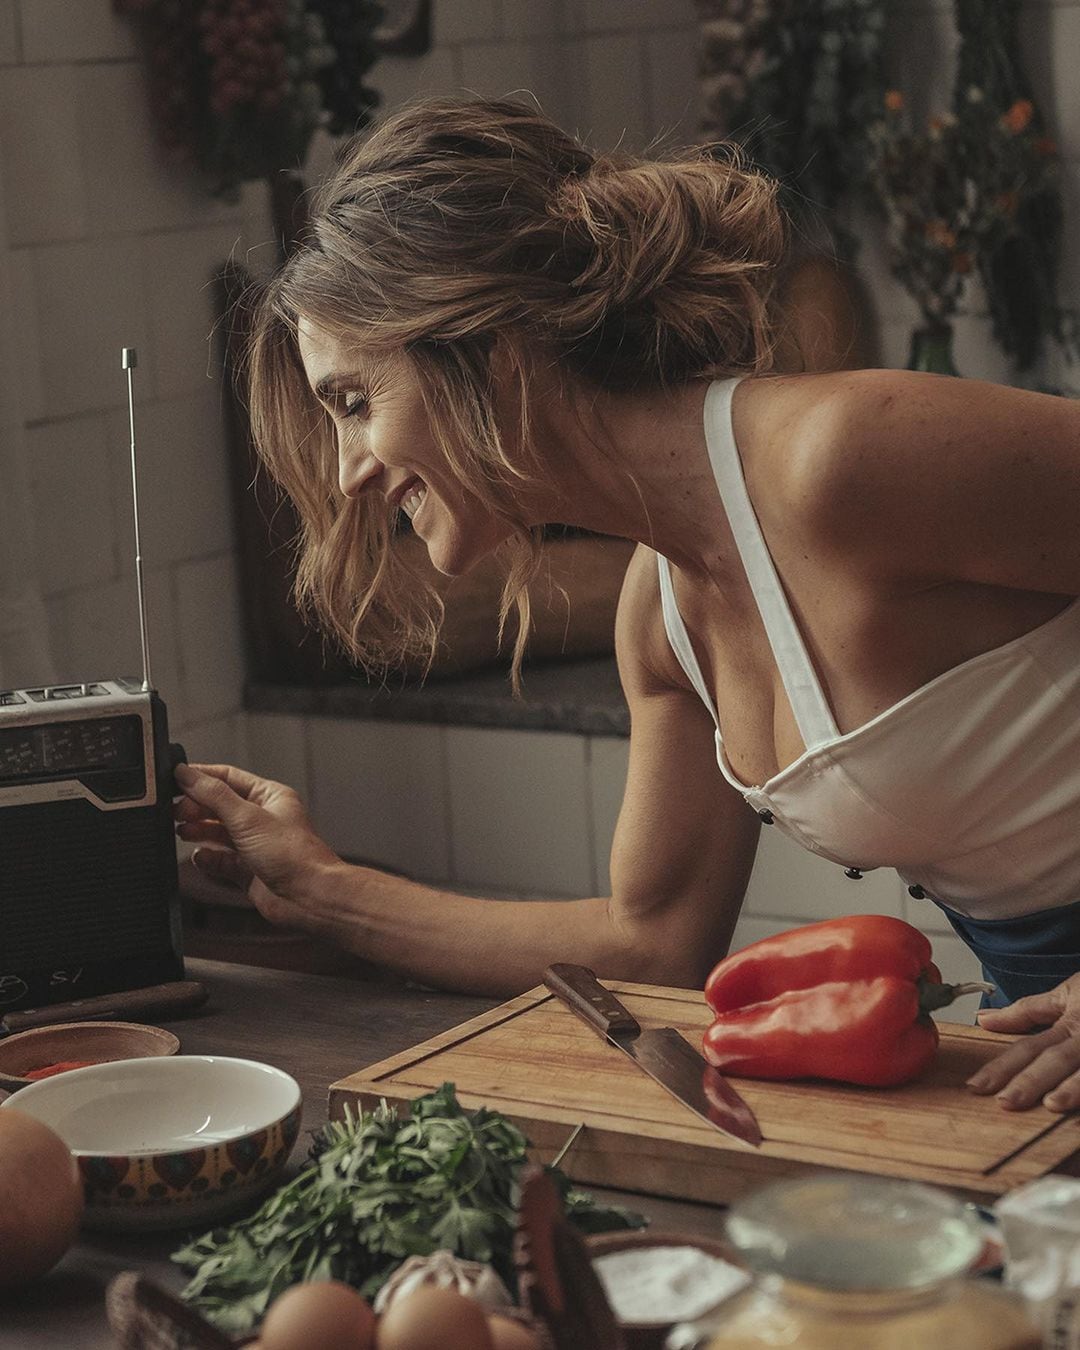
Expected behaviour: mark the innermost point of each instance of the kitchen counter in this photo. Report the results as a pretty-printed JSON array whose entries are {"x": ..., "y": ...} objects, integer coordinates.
[{"x": 319, "y": 1028}]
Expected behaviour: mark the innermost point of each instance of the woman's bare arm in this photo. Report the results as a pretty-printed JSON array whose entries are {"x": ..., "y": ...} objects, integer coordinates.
[{"x": 683, "y": 850}]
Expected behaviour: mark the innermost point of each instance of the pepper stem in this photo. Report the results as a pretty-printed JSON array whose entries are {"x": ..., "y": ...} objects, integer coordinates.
[{"x": 933, "y": 995}]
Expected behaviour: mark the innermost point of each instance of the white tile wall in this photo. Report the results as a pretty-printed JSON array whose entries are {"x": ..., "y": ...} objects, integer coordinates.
[
  {"x": 750, "y": 929},
  {"x": 479, "y": 20},
  {"x": 401, "y": 78},
  {"x": 73, "y": 487},
  {"x": 39, "y": 126},
  {"x": 378, "y": 790},
  {"x": 90, "y": 304},
  {"x": 615, "y": 109},
  {"x": 975, "y": 352},
  {"x": 178, "y": 267},
  {"x": 277, "y": 746},
  {"x": 888, "y": 297},
  {"x": 87, "y": 30},
  {"x": 130, "y": 188},
  {"x": 609, "y": 758},
  {"x": 23, "y": 384},
  {"x": 623, "y": 14},
  {"x": 671, "y": 59},
  {"x": 9, "y": 33},
  {"x": 533, "y": 18},
  {"x": 185, "y": 507},
  {"x": 219, "y": 741},
  {"x": 533, "y": 70},
  {"x": 209, "y": 637},
  {"x": 520, "y": 811}
]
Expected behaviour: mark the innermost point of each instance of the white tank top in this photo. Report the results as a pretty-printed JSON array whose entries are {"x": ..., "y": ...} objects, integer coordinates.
[{"x": 969, "y": 787}]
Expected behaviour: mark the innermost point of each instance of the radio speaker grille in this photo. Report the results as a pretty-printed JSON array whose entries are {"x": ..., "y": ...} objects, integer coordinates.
[{"x": 82, "y": 885}]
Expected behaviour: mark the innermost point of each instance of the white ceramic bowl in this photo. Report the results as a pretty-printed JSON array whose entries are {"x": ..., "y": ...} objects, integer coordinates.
[{"x": 175, "y": 1142}]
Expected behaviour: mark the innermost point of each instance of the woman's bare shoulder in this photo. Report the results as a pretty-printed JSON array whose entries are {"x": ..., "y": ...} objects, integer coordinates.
[
  {"x": 893, "y": 466},
  {"x": 838, "y": 409},
  {"x": 802, "y": 436},
  {"x": 837, "y": 400}
]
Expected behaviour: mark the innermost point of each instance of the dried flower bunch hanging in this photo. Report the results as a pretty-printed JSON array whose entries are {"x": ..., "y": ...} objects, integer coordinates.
[
  {"x": 975, "y": 189},
  {"x": 735, "y": 37},
  {"x": 238, "y": 87},
  {"x": 948, "y": 211},
  {"x": 797, "y": 82},
  {"x": 1019, "y": 272}
]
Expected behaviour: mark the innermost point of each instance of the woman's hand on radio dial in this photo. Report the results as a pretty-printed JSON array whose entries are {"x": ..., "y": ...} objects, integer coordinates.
[{"x": 260, "y": 836}]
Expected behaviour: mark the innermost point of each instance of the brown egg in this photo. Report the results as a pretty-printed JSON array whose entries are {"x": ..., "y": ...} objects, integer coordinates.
[
  {"x": 506, "y": 1334},
  {"x": 41, "y": 1198},
  {"x": 433, "y": 1318},
  {"x": 323, "y": 1313}
]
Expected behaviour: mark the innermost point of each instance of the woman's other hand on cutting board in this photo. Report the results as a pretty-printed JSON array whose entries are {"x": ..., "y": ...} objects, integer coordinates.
[
  {"x": 258, "y": 835},
  {"x": 1044, "y": 1066}
]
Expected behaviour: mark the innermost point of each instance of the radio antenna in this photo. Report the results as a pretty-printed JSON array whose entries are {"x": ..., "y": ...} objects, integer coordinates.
[{"x": 129, "y": 359}]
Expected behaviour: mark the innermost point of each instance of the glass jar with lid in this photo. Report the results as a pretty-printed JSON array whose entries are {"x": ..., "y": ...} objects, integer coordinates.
[{"x": 865, "y": 1263}]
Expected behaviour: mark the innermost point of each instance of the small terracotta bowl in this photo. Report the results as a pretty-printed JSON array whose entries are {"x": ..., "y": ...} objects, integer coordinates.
[
  {"x": 93, "y": 1042},
  {"x": 652, "y": 1335},
  {"x": 178, "y": 1141}
]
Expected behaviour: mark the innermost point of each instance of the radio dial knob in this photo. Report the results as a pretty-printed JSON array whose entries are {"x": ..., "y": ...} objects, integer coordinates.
[{"x": 177, "y": 755}]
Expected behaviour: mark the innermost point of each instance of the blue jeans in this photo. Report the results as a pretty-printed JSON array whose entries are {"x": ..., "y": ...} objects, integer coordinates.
[{"x": 1022, "y": 956}]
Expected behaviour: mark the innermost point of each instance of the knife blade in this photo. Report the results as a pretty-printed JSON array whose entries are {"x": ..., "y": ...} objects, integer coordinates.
[{"x": 661, "y": 1052}]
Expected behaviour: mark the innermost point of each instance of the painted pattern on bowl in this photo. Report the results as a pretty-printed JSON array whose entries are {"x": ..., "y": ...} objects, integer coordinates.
[
  {"x": 171, "y": 1142},
  {"x": 168, "y": 1183}
]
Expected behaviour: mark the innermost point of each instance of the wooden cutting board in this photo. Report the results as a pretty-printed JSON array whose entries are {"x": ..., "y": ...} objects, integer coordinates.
[{"x": 535, "y": 1062}]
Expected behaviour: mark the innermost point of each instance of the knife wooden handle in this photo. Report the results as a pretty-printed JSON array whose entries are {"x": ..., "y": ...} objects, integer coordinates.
[
  {"x": 173, "y": 997},
  {"x": 583, "y": 993}
]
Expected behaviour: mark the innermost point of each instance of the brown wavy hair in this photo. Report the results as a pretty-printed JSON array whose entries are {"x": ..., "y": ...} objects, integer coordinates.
[{"x": 462, "y": 227}]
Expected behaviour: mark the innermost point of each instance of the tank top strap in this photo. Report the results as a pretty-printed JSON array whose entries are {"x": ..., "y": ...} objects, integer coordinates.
[
  {"x": 680, "y": 638},
  {"x": 812, "y": 713}
]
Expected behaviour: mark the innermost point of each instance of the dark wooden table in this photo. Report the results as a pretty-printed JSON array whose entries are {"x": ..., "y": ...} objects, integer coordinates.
[{"x": 319, "y": 1028}]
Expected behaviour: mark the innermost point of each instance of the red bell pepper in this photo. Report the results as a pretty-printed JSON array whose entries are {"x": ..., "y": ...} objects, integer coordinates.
[{"x": 847, "y": 999}]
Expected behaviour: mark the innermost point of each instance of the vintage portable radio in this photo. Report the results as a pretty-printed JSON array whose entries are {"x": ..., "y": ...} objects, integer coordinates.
[{"x": 89, "y": 900}]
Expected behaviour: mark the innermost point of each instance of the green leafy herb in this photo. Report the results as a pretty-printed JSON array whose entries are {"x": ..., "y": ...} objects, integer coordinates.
[{"x": 381, "y": 1187}]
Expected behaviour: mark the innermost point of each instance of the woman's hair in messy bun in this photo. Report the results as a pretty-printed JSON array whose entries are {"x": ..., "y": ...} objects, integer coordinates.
[
  {"x": 463, "y": 226},
  {"x": 674, "y": 264}
]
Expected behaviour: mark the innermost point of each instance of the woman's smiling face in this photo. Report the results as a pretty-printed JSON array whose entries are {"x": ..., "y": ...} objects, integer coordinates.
[{"x": 385, "y": 444}]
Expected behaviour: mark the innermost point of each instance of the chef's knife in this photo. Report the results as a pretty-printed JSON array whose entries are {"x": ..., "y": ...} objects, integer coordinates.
[{"x": 661, "y": 1052}]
